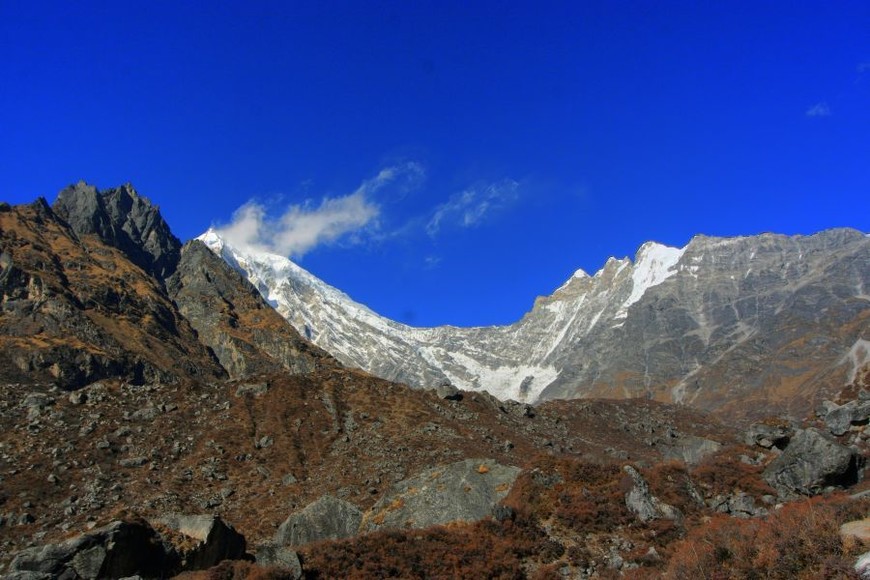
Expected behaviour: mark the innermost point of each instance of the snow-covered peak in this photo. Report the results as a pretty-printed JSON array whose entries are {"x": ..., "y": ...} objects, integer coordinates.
[
  {"x": 653, "y": 265},
  {"x": 578, "y": 275}
]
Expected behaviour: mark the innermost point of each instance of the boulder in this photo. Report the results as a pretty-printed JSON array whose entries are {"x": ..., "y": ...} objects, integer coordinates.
[
  {"x": 445, "y": 390},
  {"x": 769, "y": 435},
  {"x": 640, "y": 501},
  {"x": 839, "y": 419},
  {"x": 328, "y": 518},
  {"x": 811, "y": 462},
  {"x": 122, "y": 548},
  {"x": 279, "y": 557},
  {"x": 216, "y": 540},
  {"x": 468, "y": 490}
]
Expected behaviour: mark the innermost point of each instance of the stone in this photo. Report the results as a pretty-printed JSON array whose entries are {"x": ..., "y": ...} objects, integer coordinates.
[
  {"x": 468, "y": 490},
  {"x": 811, "y": 462},
  {"x": 328, "y": 518},
  {"x": 858, "y": 529},
  {"x": 122, "y": 548},
  {"x": 445, "y": 390},
  {"x": 839, "y": 419},
  {"x": 640, "y": 501},
  {"x": 769, "y": 435},
  {"x": 279, "y": 557},
  {"x": 217, "y": 540}
]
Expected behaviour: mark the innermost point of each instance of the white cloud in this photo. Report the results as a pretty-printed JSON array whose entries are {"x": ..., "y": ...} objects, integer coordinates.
[
  {"x": 302, "y": 227},
  {"x": 471, "y": 206},
  {"x": 819, "y": 110}
]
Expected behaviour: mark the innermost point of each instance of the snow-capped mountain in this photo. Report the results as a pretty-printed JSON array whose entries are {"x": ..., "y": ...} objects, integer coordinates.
[{"x": 769, "y": 317}]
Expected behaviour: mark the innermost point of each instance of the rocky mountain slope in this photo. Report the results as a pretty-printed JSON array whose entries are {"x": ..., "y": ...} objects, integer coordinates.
[{"x": 749, "y": 325}]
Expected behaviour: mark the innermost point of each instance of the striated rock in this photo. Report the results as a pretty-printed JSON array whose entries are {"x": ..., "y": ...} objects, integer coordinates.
[
  {"x": 468, "y": 490},
  {"x": 640, "y": 501},
  {"x": 811, "y": 462},
  {"x": 327, "y": 518}
]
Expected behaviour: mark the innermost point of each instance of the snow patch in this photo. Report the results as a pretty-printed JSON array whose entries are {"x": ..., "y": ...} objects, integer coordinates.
[{"x": 655, "y": 264}]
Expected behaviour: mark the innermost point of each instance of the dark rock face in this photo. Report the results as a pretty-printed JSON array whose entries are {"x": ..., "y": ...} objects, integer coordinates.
[
  {"x": 468, "y": 490},
  {"x": 246, "y": 334},
  {"x": 123, "y": 219},
  {"x": 328, "y": 518},
  {"x": 812, "y": 461}
]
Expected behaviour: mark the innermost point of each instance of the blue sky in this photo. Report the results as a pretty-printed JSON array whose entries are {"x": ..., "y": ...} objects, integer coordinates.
[{"x": 446, "y": 162}]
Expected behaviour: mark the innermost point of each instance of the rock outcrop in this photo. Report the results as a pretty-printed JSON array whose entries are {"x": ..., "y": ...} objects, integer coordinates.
[
  {"x": 468, "y": 490},
  {"x": 122, "y": 219},
  {"x": 640, "y": 501},
  {"x": 245, "y": 333},
  {"x": 811, "y": 462},
  {"x": 74, "y": 310}
]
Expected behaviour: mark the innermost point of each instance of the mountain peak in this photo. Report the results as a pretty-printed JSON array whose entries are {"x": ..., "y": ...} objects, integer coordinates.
[{"x": 122, "y": 218}]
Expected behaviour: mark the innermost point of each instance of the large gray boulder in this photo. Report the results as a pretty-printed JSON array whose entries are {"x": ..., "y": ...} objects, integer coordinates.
[
  {"x": 811, "y": 462},
  {"x": 122, "y": 548},
  {"x": 215, "y": 540},
  {"x": 328, "y": 518},
  {"x": 468, "y": 490}
]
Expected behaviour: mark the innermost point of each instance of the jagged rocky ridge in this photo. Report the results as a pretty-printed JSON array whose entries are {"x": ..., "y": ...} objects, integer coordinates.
[
  {"x": 96, "y": 286},
  {"x": 749, "y": 325}
]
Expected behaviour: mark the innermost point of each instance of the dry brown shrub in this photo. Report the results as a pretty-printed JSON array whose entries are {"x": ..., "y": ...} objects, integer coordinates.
[{"x": 801, "y": 540}]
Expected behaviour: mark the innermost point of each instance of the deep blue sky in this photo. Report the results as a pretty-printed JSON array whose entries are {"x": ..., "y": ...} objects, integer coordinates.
[{"x": 526, "y": 140}]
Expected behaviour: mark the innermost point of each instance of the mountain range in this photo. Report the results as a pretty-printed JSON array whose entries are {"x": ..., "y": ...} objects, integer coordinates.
[{"x": 745, "y": 326}]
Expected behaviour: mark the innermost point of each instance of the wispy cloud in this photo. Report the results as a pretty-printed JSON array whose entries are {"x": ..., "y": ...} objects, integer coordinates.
[
  {"x": 863, "y": 67},
  {"x": 302, "y": 227},
  {"x": 819, "y": 110},
  {"x": 471, "y": 206}
]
